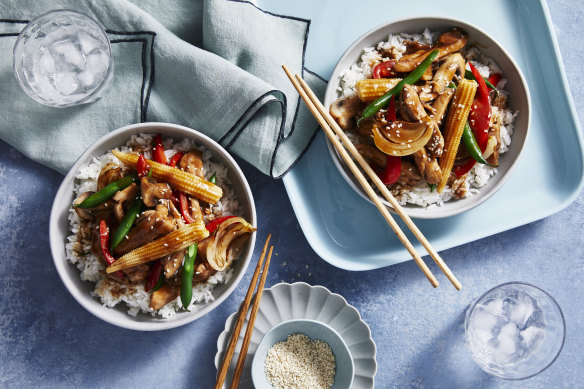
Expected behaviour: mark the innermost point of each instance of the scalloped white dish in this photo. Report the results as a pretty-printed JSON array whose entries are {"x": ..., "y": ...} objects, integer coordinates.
[{"x": 300, "y": 300}]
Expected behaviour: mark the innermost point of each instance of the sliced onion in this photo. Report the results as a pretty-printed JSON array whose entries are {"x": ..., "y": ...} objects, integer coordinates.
[
  {"x": 227, "y": 241},
  {"x": 410, "y": 140},
  {"x": 404, "y": 132}
]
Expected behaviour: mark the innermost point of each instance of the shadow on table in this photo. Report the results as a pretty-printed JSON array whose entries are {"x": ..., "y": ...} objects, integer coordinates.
[{"x": 448, "y": 362}]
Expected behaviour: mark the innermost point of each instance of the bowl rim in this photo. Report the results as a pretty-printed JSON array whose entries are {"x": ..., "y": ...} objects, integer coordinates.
[
  {"x": 94, "y": 306},
  {"x": 292, "y": 322},
  {"x": 415, "y": 211}
]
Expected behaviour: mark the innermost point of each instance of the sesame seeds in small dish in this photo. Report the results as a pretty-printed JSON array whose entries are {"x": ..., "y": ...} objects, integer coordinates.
[
  {"x": 300, "y": 301},
  {"x": 302, "y": 353}
]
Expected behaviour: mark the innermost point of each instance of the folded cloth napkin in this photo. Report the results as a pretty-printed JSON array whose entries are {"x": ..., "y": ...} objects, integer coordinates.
[{"x": 214, "y": 66}]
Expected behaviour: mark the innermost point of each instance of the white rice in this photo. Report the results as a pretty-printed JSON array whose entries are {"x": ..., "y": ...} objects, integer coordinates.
[
  {"x": 92, "y": 268},
  {"x": 480, "y": 174}
]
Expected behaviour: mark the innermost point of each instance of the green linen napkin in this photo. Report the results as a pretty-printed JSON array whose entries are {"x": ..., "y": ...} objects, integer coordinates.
[{"x": 214, "y": 66}]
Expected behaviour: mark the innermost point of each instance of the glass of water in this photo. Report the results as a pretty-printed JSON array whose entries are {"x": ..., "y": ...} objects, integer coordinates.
[
  {"x": 515, "y": 330},
  {"x": 63, "y": 58}
]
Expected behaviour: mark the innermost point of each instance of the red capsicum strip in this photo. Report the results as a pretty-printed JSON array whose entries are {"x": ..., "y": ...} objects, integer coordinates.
[
  {"x": 480, "y": 112},
  {"x": 213, "y": 224},
  {"x": 160, "y": 157},
  {"x": 495, "y": 78},
  {"x": 158, "y": 152},
  {"x": 391, "y": 172},
  {"x": 479, "y": 119},
  {"x": 104, "y": 246},
  {"x": 184, "y": 208},
  {"x": 391, "y": 115},
  {"x": 154, "y": 275},
  {"x": 175, "y": 158},
  {"x": 142, "y": 167},
  {"x": 384, "y": 70},
  {"x": 463, "y": 169}
]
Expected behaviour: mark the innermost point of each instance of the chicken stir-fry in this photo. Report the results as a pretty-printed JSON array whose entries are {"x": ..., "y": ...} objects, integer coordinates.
[
  {"x": 151, "y": 222},
  {"x": 425, "y": 116}
]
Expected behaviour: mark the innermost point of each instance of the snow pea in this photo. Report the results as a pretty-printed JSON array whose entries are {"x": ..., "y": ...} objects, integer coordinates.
[{"x": 411, "y": 78}]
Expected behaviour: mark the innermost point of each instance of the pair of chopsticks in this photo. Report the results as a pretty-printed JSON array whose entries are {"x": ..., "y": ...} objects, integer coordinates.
[
  {"x": 328, "y": 124},
  {"x": 241, "y": 318}
]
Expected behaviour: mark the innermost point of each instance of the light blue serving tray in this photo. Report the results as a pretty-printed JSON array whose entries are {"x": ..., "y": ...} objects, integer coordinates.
[{"x": 346, "y": 230}]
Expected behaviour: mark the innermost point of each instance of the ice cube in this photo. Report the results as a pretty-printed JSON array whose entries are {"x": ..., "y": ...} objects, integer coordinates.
[
  {"x": 521, "y": 310},
  {"x": 97, "y": 62},
  {"x": 508, "y": 345},
  {"x": 68, "y": 54},
  {"x": 532, "y": 337},
  {"x": 483, "y": 320},
  {"x": 496, "y": 307},
  {"x": 86, "y": 78},
  {"x": 47, "y": 63},
  {"x": 88, "y": 43},
  {"x": 66, "y": 83}
]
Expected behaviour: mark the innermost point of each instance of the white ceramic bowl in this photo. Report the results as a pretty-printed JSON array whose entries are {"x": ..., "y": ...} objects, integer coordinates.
[
  {"x": 518, "y": 101},
  {"x": 59, "y": 230},
  {"x": 315, "y": 330}
]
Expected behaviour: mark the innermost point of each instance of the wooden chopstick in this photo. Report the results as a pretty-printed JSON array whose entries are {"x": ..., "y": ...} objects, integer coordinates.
[
  {"x": 251, "y": 323},
  {"x": 241, "y": 318},
  {"x": 326, "y": 122}
]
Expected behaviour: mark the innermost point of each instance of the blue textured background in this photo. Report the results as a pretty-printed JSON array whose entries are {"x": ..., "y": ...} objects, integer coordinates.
[{"x": 48, "y": 340}]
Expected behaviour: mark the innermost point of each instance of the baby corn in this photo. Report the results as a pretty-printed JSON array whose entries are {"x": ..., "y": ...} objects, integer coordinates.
[
  {"x": 457, "y": 117},
  {"x": 171, "y": 243},
  {"x": 372, "y": 88},
  {"x": 179, "y": 179}
]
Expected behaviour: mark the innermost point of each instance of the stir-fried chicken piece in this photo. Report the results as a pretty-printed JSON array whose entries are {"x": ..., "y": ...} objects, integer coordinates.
[
  {"x": 123, "y": 197},
  {"x": 153, "y": 191},
  {"x": 409, "y": 175},
  {"x": 372, "y": 154},
  {"x": 458, "y": 186},
  {"x": 440, "y": 105},
  {"x": 150, "y": 225},
  {"x": 192, "y": 162},
  {"x": 202, "y": 269},
  {"x": 425, "y": 92},
  {"x": 168, "y": 292},
  {"x": 172, "y": 263},
  {"x": 137, "y": 273},
  {"x": 428, "y": 166},
  {"x": 449, "y": 42},
  {"x": 411, "y": 108}
]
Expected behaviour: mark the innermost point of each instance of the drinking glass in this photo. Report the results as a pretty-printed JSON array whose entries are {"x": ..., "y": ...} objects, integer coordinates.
[
  {"x": 63, "y": 58},
  {"x": 515, "y": 330}
]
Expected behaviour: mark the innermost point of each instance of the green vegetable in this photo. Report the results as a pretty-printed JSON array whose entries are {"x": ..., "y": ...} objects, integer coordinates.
[
  {"x": 213, "y": 179},
  {"x": 411, "y": 78},
  {"x": 469, "y": 76},
  {"x": 126, "y": 223},
  {"x": 432, "y": 187},
  {"x": 160, "y": 282},
  {"x": 186, "y": 289},
  {"x": 106, "y": 193},
  {"x": 472, "y": 146}
]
